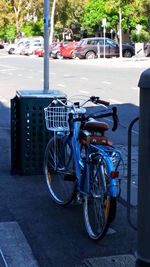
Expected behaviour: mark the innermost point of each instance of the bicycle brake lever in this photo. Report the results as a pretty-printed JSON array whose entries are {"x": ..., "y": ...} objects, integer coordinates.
[{"x": 115, "y": 118}]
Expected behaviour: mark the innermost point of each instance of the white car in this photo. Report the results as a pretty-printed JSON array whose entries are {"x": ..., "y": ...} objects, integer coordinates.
[
  {"x": 17, "y": 47},
  {"x": 30, "y": 48}
]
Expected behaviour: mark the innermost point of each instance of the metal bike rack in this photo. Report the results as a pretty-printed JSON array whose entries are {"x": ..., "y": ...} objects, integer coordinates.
[{"x": 129, "y": 173}]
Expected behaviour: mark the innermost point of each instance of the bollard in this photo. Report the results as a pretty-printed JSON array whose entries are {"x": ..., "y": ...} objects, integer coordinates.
[{"x": 143, "y": 235}]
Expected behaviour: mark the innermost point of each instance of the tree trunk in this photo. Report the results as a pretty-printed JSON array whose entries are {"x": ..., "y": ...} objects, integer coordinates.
[{"x": 52, "y": 21}]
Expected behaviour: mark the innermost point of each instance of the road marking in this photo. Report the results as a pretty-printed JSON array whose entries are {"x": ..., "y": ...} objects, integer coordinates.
[
  {"x": 135, "y": 88},
  {"x": 105, "y": 82},
  {"x": 3, "y": 100},
  {"x": 84, "y": 92},
  {"x": 52, "y": 73},
  {"x": 15, "y": 246},
  {"x": 67, "y": 75},
  {"x": 7, "y": 66},
  {"x": 84, "y": 78},
  {"x": 20, "y": 75},
  {"x": 4, "y": 70},
  {"x": 29, "y": 77},
  {"x": 61, "y": 85},
  {"x": 3, "y": 258},
  {"x": 115, "y": 101}
]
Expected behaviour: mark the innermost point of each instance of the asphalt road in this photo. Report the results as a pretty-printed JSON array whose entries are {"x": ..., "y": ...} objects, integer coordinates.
[
  {"x": 56, "y": 235},
  {"x": 112, "y": 81}
]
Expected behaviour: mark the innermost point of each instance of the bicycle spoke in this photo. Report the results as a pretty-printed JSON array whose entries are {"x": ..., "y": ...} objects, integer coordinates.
[{"x": 57, "y": 166}]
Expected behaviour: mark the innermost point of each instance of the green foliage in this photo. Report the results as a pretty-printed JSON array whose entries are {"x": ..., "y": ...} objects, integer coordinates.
[
  {"x": 8, "y": 33},
  {"x": 133, "y": 12},
  {"x": 142, "y": 37},
  {"x": 76, "y": 16},
  {"x": 93, "y": 14},
  {"x": 33, "y": 29}
]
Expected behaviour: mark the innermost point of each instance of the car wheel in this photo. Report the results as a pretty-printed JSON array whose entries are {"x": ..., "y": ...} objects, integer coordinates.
[
  {"x": 11, "y": 51},
  {"x": 90, "y": 55},
  {"x": 72, "y": 55},
  {"x": 59, "y": 56},
  {"x": 147, "y": 52},
  {"x": 127, "y": 53}
]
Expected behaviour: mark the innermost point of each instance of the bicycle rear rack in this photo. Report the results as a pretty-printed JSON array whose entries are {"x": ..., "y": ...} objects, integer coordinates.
[{"x": 129, "y": 173}]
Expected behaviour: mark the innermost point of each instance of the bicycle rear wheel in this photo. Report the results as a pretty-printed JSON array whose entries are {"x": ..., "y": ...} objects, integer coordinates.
[
  {"x": 58, "y": 169},
  {"x": 99, "y": 208}
]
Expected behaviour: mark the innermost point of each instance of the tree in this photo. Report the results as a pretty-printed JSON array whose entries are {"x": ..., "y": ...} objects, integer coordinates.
[
  {"x": 94, "y": 12},
  {"x": 68, "y": 15},
  {"x": 19, "y": 12},
  {"x": 133, "y": 12}
]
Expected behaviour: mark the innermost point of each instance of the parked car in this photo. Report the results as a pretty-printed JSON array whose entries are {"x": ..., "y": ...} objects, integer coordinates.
[
  {"x": 1, "y": 46},
  {"x": 17, "y": 47},
  {"x": 147, "y": 49},
  {"x": 55, "y": 50},
  {"x": 88, "y": 48},
  {"x": 67, "y": 51},
  {"x": 30, "y": 48},
  {"x": 39, "y": 52}
]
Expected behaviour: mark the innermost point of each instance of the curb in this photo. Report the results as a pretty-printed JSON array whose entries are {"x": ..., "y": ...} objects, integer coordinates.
[{"x": 110, "y": 261}]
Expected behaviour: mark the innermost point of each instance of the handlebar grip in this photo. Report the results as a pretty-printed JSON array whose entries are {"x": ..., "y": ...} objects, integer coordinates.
[
  {"x": 115, "y": 119},
  {"x": 103, "y": 102},
  {"x": 97, "y": 100}
]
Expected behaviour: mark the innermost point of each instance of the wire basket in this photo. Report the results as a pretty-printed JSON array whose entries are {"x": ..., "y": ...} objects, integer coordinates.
[{"x": 56, "y": 118}]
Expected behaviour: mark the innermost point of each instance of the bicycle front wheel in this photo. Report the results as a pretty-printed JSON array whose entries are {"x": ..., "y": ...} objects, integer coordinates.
[
  {"x": 58, "y": 169},
  {"x": 97, "y": 207}
]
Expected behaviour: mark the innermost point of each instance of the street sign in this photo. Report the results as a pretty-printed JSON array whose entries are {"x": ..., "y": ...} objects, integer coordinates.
[
  {"x": 138, "y": 28},
  {"x": 104, "y": 22}
]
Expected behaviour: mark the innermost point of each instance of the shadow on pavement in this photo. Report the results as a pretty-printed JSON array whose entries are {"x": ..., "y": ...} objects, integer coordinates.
[{"x": 56, "y": 235}]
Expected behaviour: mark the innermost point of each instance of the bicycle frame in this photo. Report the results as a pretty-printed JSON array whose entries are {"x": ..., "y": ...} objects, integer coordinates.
[
  {"x": 82, "y": 168},
  {"x": 76, "y": 148}
]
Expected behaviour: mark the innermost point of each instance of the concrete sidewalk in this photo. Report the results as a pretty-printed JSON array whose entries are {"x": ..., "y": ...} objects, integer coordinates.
[
  {"x": 110, "y": 261},
  {"x": 15, "y": 255},
  {"x": 136, "y": 62},
  {"x": 121, "y": 260}
]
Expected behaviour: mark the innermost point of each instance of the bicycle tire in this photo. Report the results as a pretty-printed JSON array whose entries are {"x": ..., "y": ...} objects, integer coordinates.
[
  {"x": 58, "y": 166},
  {"x": 99, "y": 208}
]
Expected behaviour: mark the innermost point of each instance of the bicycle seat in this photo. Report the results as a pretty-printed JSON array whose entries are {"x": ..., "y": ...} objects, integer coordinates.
[{"x": 96, "y": 126}]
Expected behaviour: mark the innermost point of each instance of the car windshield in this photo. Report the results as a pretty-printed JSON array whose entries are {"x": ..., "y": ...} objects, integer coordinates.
[
  {"x": 111, "y": 42},
  {"x": 80, "y": 42}
]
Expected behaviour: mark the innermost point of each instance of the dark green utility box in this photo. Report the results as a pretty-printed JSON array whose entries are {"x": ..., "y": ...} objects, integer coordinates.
[{"x": 29, "y": 135}]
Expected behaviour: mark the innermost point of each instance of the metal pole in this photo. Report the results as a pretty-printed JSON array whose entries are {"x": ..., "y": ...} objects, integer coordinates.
[
  {"x": 104, "y": 41},
  {"x": 143, "y": 236},
  {"x": 98, "y": 50},
  {"x": 46, "y": 44},
  {"x": 120, "y": 33}
]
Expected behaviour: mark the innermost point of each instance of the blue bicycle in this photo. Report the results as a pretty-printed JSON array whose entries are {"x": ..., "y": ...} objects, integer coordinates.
[{"x": 81, "y": 163}]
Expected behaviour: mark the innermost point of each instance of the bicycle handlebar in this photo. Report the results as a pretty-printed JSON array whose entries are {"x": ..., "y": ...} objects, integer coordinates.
[
  {"x": 112, "y": 114},
  {"x": 95, "y": 100}
]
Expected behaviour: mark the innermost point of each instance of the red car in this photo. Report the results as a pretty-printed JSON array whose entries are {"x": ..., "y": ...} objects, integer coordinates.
[
  {"x": 67, "y": 51},
  {"x": 39, "y": 52}
]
